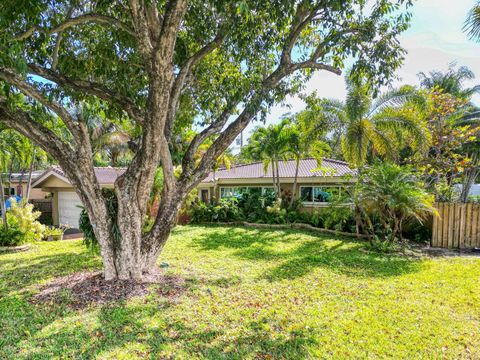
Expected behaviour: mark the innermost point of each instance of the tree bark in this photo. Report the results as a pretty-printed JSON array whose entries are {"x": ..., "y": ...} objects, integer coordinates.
[
  {"x": 295, "y": 180},
  {"x": 278, "y": 179}
]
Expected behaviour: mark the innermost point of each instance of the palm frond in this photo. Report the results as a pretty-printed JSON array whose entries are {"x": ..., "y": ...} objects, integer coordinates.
[
  {"x": 397, "y": 98},
  {"x": 472, "y": 24}
]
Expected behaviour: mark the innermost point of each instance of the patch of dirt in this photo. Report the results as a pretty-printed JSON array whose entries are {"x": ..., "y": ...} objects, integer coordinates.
[
  {"x": 441, "y": 252},
  {"x": 82, "y": 289}
]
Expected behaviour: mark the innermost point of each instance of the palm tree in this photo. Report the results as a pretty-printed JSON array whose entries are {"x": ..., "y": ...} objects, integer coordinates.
[
  {"x": 304, "y": 141},
  {"x": 269, "y": 145},
  {"x": 375, "y": 126},
  {"x": 472, "y": 24},
  {"x": 109, "y": 138},
  {"x": 223, "y": 161},
  {"x": 394, "y": 195},
  {"x": 451, "y": 82}
]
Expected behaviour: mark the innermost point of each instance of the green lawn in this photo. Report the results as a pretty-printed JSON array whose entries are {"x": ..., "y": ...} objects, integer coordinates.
[{"x": 251, "y": 294}]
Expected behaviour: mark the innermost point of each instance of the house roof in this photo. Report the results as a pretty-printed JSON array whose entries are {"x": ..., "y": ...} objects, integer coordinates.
[
  {"x": 105, "y": 175},
  {"x": 308, "y": 168},
  {"x": 17, "y": 177}
]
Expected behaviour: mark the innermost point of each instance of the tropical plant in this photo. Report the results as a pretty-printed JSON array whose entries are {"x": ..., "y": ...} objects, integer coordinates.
[
  {"x": 450, "y": 157},
  {"x": 22, "y": 224},
  {"x": 451, "y": 82},
  {"x": 393, "y": 195},
  {"x": 375, "y": 126},
  {"x": 270, "y": 145},
  {"x": 304, "y": 138}
]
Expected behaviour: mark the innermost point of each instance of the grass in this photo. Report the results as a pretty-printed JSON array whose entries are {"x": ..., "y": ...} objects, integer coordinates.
[{"x": 251, "y": 294}]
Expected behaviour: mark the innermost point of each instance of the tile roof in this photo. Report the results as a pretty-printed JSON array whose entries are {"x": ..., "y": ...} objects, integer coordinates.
[
  {"x": 308, "y": 168},
  {"x": 105, "y": 175},
  {"x": 24, "y": 177}
]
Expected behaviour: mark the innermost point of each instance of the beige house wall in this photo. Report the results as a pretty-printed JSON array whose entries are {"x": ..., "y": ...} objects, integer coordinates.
[{"x": 34, "y": 192}]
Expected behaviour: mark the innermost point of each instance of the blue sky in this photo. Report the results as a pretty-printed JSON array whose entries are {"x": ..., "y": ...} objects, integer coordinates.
[{"x": 434, "y": 40}]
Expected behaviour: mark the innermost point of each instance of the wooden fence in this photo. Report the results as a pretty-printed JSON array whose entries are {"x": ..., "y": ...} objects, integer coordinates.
[{"x": 457, "y": 226}]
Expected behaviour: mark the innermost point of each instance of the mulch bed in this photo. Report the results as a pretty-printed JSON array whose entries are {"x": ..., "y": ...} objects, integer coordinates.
[{"x": 82, "y": 289}]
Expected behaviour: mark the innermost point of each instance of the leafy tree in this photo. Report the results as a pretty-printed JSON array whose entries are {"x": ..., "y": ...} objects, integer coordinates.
[
  {"x": 374, "y": 126},
  {"x": 450, "y": 154},
  {"x": 218, "y": 64}
]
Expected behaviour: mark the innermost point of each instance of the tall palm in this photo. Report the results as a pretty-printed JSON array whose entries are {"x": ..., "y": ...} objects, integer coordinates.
[
  {"x": 303, "y": 141},
  {"x": 269, "y": 145},
  {"x": 451, "y": 81},
  {"x": 223, "y": 161},
  {"x": 472, "y": 24},
  {"x": 11, "y": 156},
  {"x": 375, "y": 126}
]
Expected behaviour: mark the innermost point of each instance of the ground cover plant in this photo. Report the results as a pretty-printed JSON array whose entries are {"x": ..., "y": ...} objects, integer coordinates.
[{"x": 247, "y": 294}]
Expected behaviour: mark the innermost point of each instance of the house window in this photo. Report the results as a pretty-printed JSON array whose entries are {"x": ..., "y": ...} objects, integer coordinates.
[
  {"x": 267, "y": 190},
  {"x": 320, "y": 194},
  {"x": 9, "y": 191},
  {"x": 230, "y": 191},
  {"x": 227, "y": 192}
]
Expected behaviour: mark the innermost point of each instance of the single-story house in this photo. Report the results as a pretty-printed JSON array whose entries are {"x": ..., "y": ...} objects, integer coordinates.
[
  {"x": 66, "y": 205},
  {"x": 16, "y": 185},
  {"x": 316, "y": 185}
]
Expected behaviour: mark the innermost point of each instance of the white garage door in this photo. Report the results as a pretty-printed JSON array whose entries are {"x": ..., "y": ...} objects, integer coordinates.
[{"x": 68, "y": 210}]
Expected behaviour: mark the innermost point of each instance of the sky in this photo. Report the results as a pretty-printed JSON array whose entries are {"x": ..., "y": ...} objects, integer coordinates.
[{"x": 434, "y": 40}]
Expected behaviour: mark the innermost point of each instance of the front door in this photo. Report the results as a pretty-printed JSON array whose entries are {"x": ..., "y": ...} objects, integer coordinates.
[{"x": 204, "y": 195}]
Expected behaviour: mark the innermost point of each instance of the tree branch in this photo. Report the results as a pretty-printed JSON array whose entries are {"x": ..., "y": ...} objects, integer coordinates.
[
  {"x": 140, "y": 23},
  {"x": 92, "y": 88},
  {"x": 21, "y": 121},
  {"x": 182, "y": 76},
  {"x": 81, "y": 19},
  {"x": 29, "y": 90},
  {"x": 303, "y": 17},
  {"x": 175, "y": 10},
  {"x": 58, "y": 42}
]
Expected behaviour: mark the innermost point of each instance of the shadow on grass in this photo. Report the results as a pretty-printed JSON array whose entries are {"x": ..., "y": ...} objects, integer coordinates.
[
  {"x": 20, "y": 274},
  {"x": 295, "y": 253},
  {"x": 127, "y": 329}
]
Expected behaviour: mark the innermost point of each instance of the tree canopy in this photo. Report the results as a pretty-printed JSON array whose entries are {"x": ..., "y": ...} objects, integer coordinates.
[{"x": 165, "y": 65}]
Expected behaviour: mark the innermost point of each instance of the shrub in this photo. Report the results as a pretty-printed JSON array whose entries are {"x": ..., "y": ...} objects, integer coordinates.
[
  {"x": 23, "y": 226},
  {"x": 340, "y": 218},
  {"x": 475, "y": 199},
  {"x": 225, "y": 210},
  {"x": 276, "y": 214},
  {"x": 11, "y": 237},
  {"x": 89, "y": 238},
  {"x": 393, "y": 195},
  {"x": 254, "y": 205}
]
